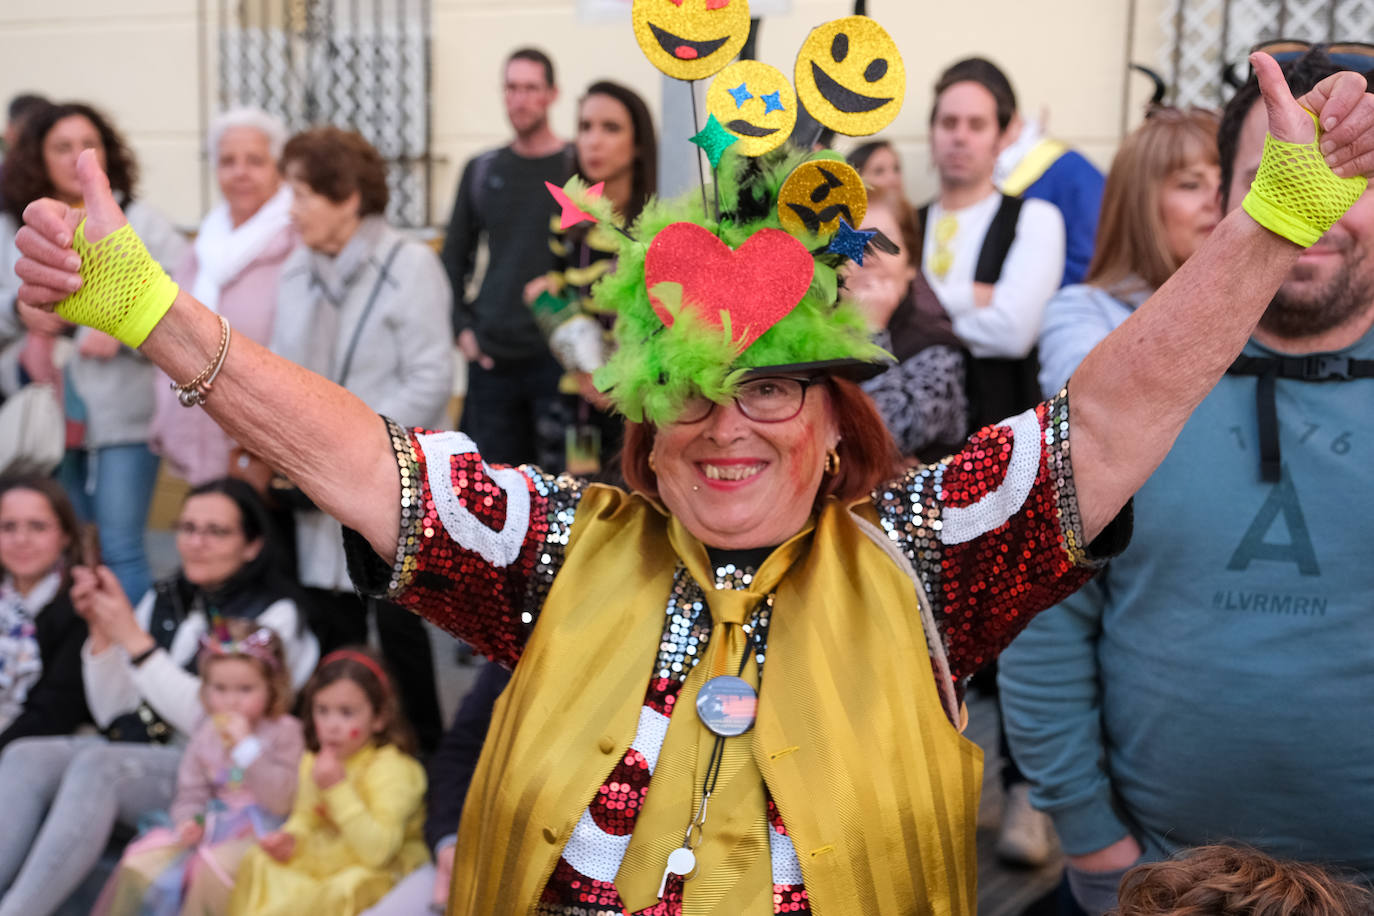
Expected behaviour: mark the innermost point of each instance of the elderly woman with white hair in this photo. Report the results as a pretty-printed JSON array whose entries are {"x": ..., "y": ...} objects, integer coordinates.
[{"x": 234, "y": 268}]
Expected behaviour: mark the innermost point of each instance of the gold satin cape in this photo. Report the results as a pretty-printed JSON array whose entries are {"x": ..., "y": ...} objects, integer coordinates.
[{"x": 878, "y": 790}]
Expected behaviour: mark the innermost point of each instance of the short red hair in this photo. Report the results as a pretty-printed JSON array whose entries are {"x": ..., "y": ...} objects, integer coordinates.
[{"x": 868, "y": 454}]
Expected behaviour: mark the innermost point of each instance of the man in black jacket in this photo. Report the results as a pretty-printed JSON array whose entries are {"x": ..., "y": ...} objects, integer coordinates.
[{"x": 502, "y": 202}]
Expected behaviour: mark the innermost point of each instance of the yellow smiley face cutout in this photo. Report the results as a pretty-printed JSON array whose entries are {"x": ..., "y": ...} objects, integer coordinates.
[
  {"x": 818, "y": 194},
  {"x": 850, "y": 76},
  {"x": 755, "y": 102},
  {"x": 690, "y": 39}
]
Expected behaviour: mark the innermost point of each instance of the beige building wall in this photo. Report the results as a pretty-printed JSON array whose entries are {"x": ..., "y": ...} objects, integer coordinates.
[{"x": 150, "y": 64}]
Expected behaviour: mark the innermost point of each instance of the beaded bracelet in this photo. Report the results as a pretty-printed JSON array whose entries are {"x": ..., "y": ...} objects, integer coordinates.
[{"x": 194, "y": 392}]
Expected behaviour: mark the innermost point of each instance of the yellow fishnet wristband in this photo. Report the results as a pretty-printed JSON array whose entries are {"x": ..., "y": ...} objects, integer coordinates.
[
  {"x": 1295, "y": 194},
  {"x": 124, "y": 292}
]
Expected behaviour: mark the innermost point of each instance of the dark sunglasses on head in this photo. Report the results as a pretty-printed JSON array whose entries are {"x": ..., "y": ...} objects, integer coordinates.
[{"x": 1348, "y": 55}]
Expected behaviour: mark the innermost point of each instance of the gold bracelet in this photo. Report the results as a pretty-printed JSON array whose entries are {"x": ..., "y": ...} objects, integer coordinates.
[{"x": 194, "y": 392}]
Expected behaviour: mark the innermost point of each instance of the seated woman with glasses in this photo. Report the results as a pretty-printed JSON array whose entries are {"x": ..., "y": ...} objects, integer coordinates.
[{"x": 63, "y": 796}]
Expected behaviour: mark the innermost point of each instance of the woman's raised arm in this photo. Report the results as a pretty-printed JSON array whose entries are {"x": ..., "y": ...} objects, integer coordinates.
[
  {"x": 1133, "y": 393},
  {"x": 325, "y": 439}
]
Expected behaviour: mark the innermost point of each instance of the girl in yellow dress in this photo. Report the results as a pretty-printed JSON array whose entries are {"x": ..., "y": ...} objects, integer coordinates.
[{"x": 355, "y": 829}]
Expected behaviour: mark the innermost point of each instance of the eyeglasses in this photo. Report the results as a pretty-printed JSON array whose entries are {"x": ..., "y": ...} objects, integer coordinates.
[
  {"x": 214, "y": 532},
  {"x": 34, "y": 527},
  {"x": 772, "y": 399}
]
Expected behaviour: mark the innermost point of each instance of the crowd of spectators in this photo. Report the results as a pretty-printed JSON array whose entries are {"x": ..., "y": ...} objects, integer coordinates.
[{"x": 232, "y": 721}]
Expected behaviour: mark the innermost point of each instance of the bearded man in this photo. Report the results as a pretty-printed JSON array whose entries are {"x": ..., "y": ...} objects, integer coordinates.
[{"x": 1214, "y": 683}]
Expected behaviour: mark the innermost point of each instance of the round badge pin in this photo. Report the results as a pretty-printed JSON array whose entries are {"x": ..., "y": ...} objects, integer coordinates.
[{"x": 727, "y": 705}]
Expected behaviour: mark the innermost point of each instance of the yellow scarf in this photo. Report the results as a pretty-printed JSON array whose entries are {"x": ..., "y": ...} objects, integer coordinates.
[{"x": 878, "y": 790}]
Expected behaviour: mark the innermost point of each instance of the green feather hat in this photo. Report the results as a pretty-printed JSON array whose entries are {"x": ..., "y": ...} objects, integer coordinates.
[{"x": 689, "y": 346}]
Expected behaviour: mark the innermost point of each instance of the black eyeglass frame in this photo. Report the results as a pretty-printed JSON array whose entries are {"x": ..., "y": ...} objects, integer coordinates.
[{"x": 806, "y": 382}]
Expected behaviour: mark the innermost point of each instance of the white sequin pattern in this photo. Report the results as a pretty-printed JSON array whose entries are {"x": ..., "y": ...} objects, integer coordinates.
[
  {"x": 962, "y": 524},
  {"x": 593, "y": 851},
  {"x": 499, "y": 548},
  {"x": 786, "y": 868},
  {"x": 653, "y": 727}
]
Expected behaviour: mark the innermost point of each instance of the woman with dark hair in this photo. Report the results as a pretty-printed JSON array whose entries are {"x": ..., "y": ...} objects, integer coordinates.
[
  {"x": 63, "y": 796},
  {"x": 107, "y": 389},
  {"x": 40, "y": 632},
  {"x": 922, "y": 398},
  {"x": 617, "y": 149},
  {"x": 368, "y": 307}
]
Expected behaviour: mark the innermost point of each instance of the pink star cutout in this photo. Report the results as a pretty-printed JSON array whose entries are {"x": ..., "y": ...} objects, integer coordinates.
[{"x": 572, "y": 213}]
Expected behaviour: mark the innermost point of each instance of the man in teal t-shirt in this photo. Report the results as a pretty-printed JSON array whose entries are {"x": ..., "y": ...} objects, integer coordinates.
[{"x": 1216, "y": 682}]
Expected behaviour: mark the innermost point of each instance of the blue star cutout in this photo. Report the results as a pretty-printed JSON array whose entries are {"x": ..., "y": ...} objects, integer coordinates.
[
  {"x": 772, "y": 102},
  {"x": 741, "y": 95},
  {"x": 850, "y": 242},
  {"x": 714, "y": 139}
]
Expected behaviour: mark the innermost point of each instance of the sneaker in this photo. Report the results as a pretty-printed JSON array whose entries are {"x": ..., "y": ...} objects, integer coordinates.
[{"x": 1026, "y": 837}]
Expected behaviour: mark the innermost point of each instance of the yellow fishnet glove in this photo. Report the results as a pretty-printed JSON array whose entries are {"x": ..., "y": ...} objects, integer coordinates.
[
  {"x": 124, "y": 292},
  {"x": 1295, "y": 194}
]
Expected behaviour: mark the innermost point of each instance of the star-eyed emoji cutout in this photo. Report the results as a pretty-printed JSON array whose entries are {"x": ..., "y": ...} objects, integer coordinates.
[
  {"x": 714, "y": 139},
  {"x": 764, "y": 120},
  {"x": 850, "y": 76},
  {"x": 851, "y": 242},
  {"x": 690, "y": 39},
  {"x": 818, "y": 195},
  {"x": 572, "y": 213}
]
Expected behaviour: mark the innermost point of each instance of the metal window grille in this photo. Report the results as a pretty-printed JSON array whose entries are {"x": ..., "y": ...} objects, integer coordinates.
[
  {"x": 1202, "y": 37},
  {"x": 360, "y": 64}
]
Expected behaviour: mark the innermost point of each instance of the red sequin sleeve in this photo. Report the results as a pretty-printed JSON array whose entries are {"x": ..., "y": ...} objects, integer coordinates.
[
  {"x": 479, "y": 544},
  {"x": 995, "y": 532}
]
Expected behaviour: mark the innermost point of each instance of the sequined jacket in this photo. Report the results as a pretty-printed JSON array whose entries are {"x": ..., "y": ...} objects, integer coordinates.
[{"x": 994, "y": 531}]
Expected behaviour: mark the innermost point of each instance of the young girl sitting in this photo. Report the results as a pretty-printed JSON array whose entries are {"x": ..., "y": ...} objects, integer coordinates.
[
  {"x": 356, "y": 827},
  {"x": 236, "y": 781}
]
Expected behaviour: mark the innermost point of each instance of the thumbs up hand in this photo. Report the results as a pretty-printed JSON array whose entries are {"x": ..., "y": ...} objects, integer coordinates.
[
  {"x": 99, "y": 274},
  {"x": 49, "y": 269},
  {"x": 1342, "y": 105}
]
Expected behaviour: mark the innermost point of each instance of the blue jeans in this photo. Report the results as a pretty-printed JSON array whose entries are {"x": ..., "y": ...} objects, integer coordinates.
[{"x": 113, "y": 487}]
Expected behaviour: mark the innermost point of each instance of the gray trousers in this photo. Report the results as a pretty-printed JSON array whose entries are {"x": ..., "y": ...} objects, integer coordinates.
[{"x": 61, "y": 798}]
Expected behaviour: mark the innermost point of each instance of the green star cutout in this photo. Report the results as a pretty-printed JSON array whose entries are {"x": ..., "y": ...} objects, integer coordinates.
[{"x": 714, "y": 139}]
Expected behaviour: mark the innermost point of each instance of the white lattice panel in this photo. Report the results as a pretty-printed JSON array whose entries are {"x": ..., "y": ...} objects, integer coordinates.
[
  {"x": 362, "y": 65},
  {"x": 1196, "y": 30}
]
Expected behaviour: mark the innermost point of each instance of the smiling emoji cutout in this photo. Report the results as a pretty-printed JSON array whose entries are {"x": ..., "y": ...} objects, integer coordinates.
[
  {"x": 690, "y": 39},
  {"x": 850, "y": 76},
  {"x": 818, "y": 194},
  {"x": 755, "y": 103}
]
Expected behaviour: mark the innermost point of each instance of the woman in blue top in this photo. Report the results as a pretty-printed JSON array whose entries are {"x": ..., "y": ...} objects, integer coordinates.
[{"x": 1168, "y": 171}]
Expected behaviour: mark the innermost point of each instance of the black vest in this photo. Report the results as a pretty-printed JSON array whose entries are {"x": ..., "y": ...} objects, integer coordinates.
[{"x": 997, "y": 388}]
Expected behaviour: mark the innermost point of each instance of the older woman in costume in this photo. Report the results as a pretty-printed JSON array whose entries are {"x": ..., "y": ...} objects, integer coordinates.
[{"x": 749, "y": 542}]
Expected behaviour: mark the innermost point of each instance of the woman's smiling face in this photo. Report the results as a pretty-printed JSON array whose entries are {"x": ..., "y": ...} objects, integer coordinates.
[{"x": 736, "y": 483}]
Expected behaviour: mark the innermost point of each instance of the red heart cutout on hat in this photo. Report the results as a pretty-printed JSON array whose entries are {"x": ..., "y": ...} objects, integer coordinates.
[{"x": 757, "y": 283}]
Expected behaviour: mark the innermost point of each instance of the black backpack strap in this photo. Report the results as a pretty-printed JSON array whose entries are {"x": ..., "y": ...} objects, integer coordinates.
[
  {"x": 1267, "y": 370},
  {"x": 997, "y": 242}
]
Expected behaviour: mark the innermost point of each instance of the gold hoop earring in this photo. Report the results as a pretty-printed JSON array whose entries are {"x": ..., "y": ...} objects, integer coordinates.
[
  {"x": 832, "y": 462},
  {"x": 651, "y": 463}
]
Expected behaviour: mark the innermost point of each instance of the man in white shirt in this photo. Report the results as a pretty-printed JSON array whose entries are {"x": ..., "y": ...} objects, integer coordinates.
[{"x": 993, "y": 261}]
